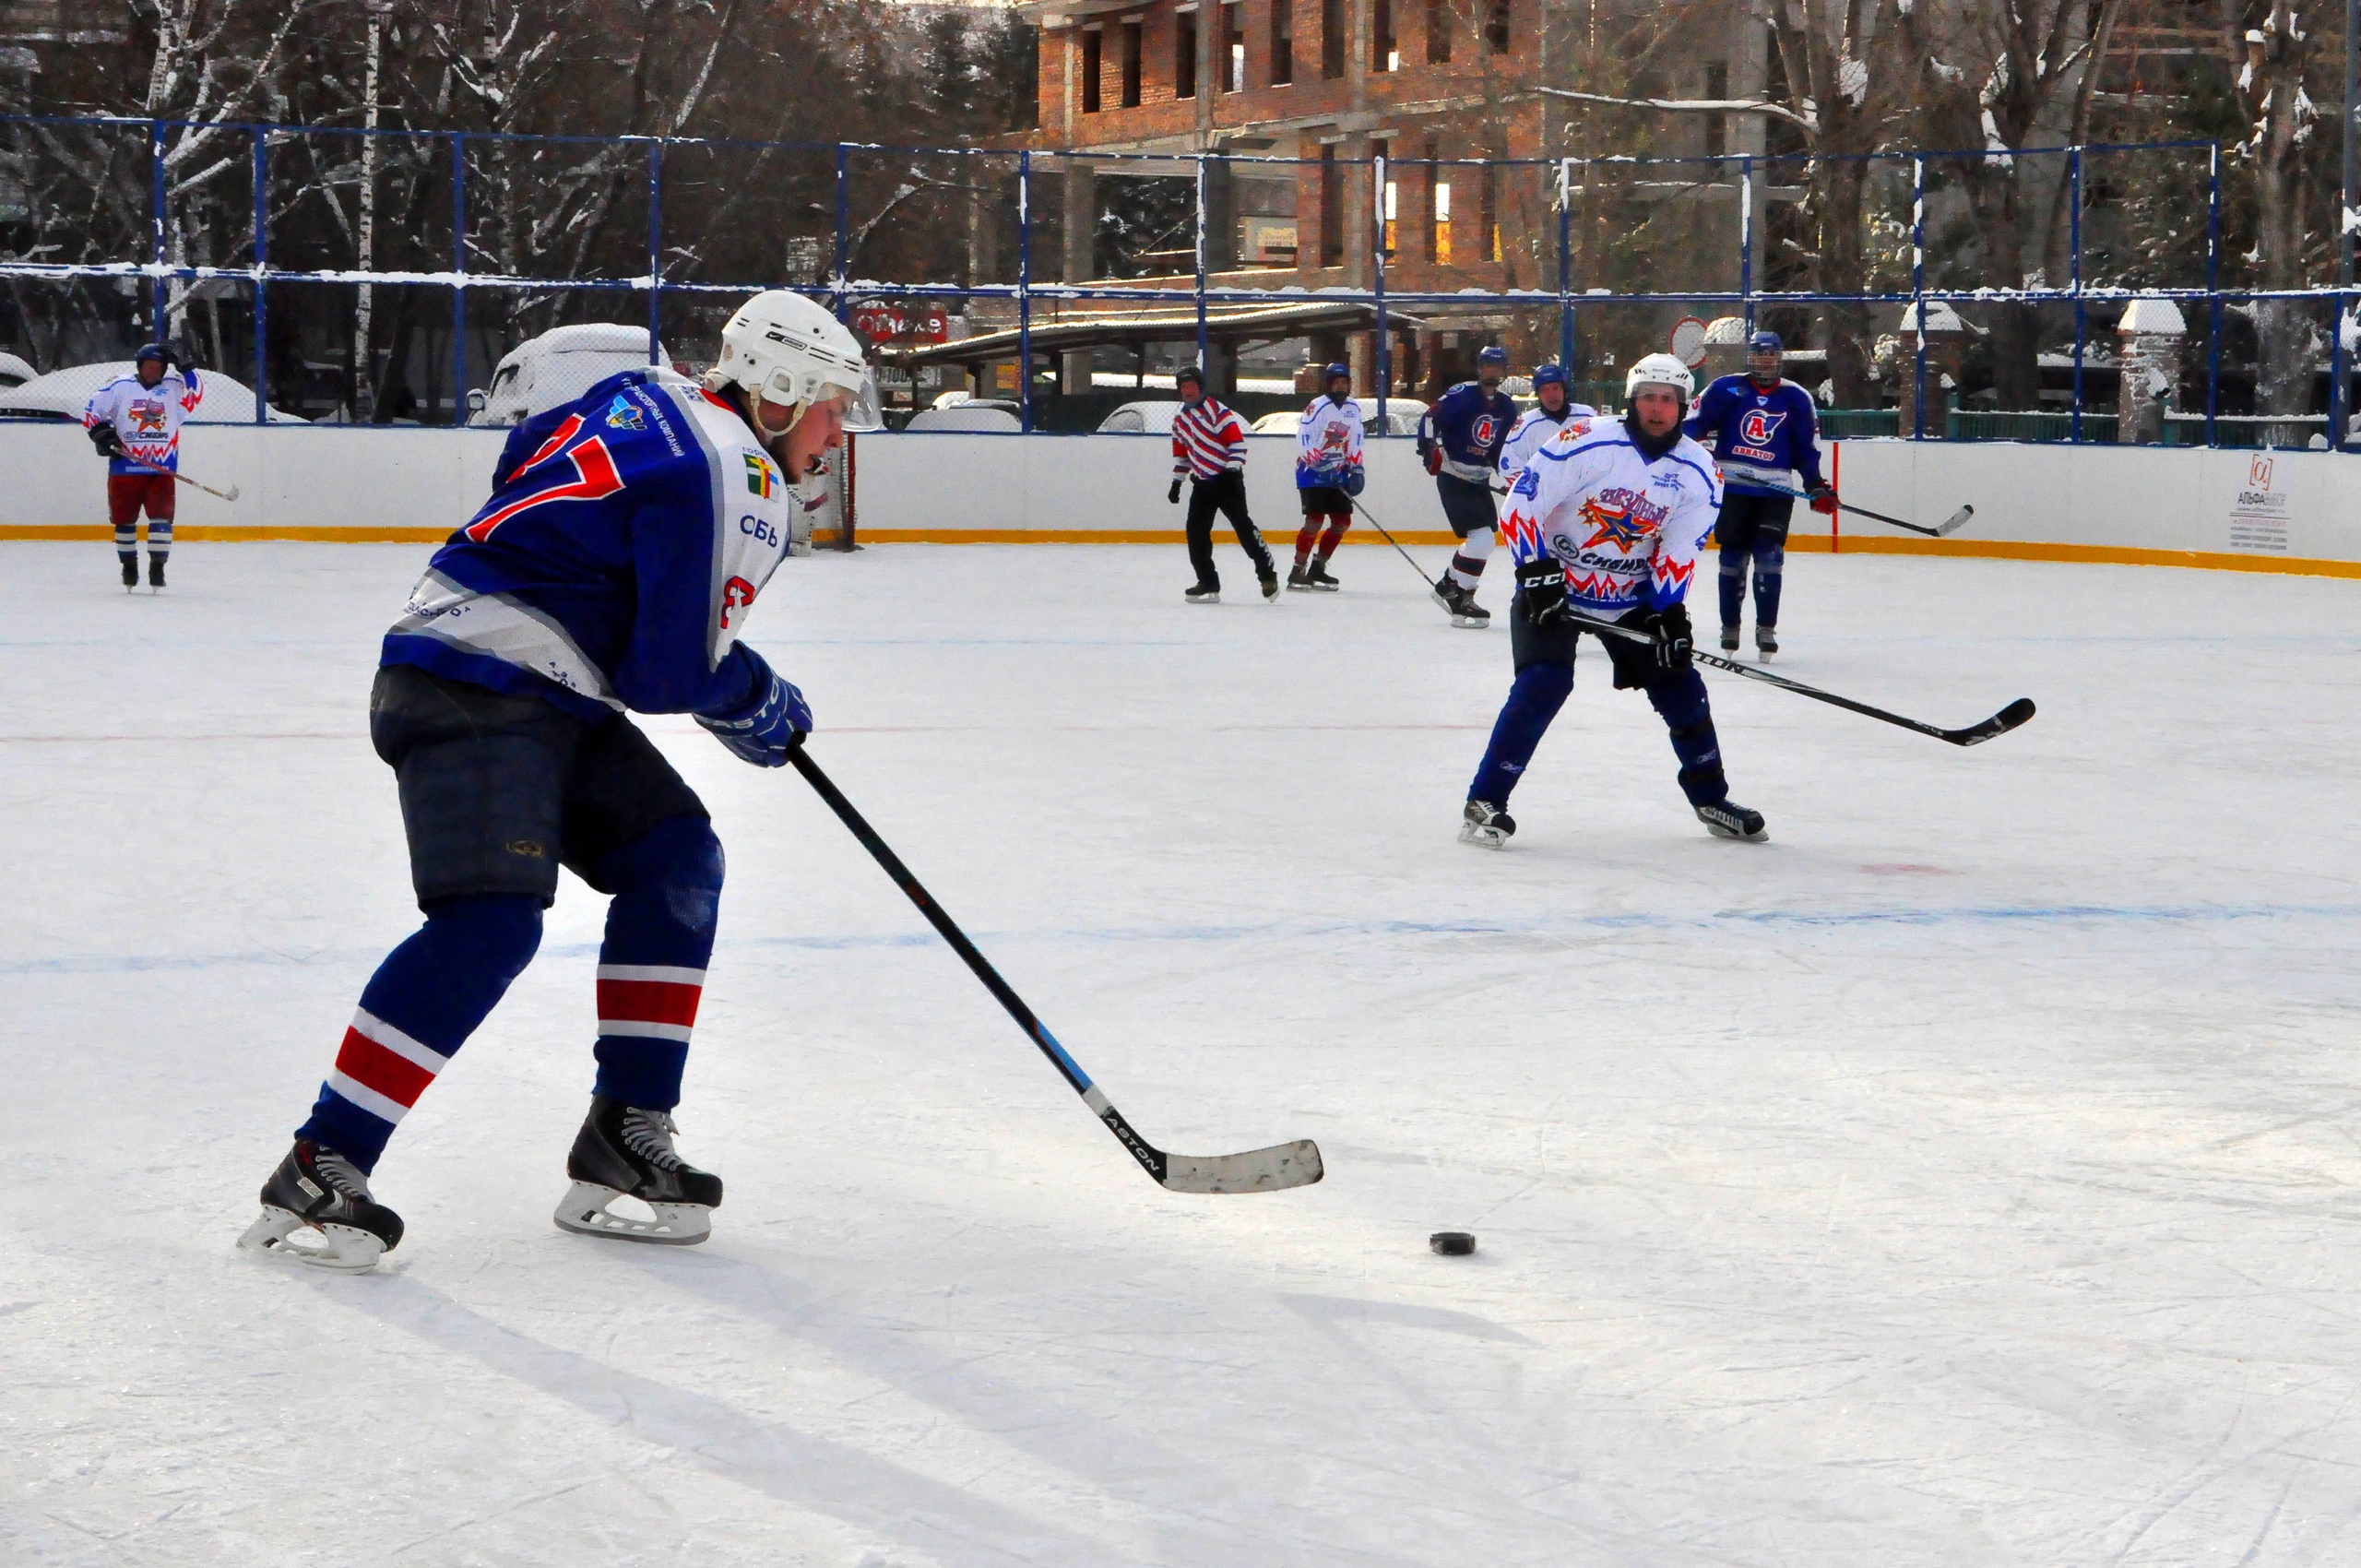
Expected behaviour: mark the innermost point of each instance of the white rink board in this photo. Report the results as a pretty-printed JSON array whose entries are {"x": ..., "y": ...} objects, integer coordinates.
[
  {"x": 2307, "y": 507},
  {"x": 1967, "y": 1177}
]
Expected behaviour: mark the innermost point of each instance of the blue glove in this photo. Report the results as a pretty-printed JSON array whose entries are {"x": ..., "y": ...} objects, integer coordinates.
[
  {"x": 767, "y": 725},
  {"x": 1355, "y": 481}
]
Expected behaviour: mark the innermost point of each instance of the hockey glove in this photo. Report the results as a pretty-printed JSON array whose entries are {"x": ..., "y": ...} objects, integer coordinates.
[
  {"x": 767, "y": 725},
  {"x": 109, "y": 444},
  {"x": 1355, "y": 480},
  {"x": 1669, "y": 627},
  {"x": 1823, "y": 499},
  {"x": 1433, "y": 454},
  {"x": 1541, "y": 590},
  {"x": 1173, "y": 495}
]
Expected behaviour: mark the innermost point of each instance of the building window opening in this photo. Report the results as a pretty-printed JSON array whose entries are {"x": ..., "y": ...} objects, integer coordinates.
[
  {"x": 1439, "y": 32},
  {"x": 1332, "y": 39},
  {"x": 1391, "y": 189},
  {"x": 1129, "y": 64},
  {"x": 1332, "y": 210},
  {"x": 1496, "y": 28},
  {"x": 1488, "y": 215},
  {"x": 1717, "y": 127},
  {"x": 1184, "y": 54},
  {"x": 1382, "y": 54},
  {"x": 1282, "y": 42},
  {"x": 1090, "y": 46},
  {"x": 1443, "y": 223},
  {"x": 1233, "y": 46}
]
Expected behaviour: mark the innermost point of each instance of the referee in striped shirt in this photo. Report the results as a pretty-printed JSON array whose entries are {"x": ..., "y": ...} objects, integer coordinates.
[{"x": 1209, "y": 450}]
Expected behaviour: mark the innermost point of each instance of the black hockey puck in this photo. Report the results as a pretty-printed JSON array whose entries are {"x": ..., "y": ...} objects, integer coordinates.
[{"x": 1452, "y": 1243}]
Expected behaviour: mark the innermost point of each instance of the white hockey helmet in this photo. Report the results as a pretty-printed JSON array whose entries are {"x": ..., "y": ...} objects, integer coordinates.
[
  {"x": 789, "y": 349},
  {"x": 1659, "y": 370}
]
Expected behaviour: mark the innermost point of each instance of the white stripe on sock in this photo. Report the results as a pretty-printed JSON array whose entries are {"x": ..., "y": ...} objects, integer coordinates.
[
  {"x": 367, "y": 1098},
  {"x": 400, "y": 1044},
  {"x": 649, "y": 1031},
  {"x": 656, "y": 972}
]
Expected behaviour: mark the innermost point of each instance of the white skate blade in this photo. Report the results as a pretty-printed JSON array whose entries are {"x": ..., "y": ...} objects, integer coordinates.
[
  {"x": 1473, "y": 622},
  {"x": 1203, "y": 598},
  {"x": 338, "y": 1248},
  {"x": 584, "y": 1211},
  {"x": 1482, "y": 838}
]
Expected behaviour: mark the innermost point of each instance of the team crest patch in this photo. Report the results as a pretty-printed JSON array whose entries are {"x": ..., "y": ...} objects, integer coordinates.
[
  {"x": 761, "y": 478},
  {"x": 1612, "y": 525},
  {"x": 623, "y": 414}
]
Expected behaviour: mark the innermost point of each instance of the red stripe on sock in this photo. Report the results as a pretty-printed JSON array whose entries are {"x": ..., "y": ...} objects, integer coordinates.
[
  {"x": 648, "y": 1002},
  {"x": 373, "y": 1066}
]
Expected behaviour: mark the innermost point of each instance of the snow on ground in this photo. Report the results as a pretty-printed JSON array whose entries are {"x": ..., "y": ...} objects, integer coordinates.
[{"x": 1969, "y": 1175}]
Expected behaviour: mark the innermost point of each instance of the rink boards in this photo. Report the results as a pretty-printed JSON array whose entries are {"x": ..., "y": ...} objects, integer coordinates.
[{"x": 2282, "y": 511}]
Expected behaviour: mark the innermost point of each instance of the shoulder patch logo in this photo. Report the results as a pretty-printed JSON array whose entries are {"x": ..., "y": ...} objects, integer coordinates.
[
  {"x": 623, "y": 414},
  {"x": 761, "y": 478}
]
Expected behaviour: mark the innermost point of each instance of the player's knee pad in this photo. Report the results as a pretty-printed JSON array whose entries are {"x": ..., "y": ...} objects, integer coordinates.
[
  {"x": 679, "y": 856},
  {"x": 1771, "y": 559},
  {"x": 1680, "y": 701},
  {"x": 492, "y": 934}
]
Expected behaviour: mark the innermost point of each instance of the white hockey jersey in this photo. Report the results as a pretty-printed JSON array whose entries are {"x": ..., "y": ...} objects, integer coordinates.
[
  {"x": 146, "y": 419},
  {"x": 1533, "y": 428},
  {"x": 1327, "y": 442},
  {"x": 1627, "y": 530}
]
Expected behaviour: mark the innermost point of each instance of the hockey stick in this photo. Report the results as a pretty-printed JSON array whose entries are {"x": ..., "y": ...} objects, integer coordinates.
[
  {"x": 2000, "y": 723},
  {"x": 229, "y": 494},
  {"x": 1949, "y": 525},
  {"x": 1257, "y": 1171},
  {"x": 1391, "y": 540}
]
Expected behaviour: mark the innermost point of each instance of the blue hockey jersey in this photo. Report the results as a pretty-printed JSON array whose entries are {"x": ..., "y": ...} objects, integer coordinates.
[
  {"x": 627, "y": 536},
  {"x": 1761, "y": 440},
  {"x": 1470, "y": 425}
]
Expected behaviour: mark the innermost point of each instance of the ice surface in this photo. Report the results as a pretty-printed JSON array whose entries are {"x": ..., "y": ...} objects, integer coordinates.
[{"x": 1969, "y": 1175}]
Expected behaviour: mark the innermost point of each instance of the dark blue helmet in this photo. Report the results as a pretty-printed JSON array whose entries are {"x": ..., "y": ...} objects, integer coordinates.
[
  {"x": 160, "y": 352},
  {"x": 1548, "y": 375},
  {"x": 1334, "y": 370},
  {"x": 1766, "y": 343},
  {"x": 1492, "y": 354},
  {"x": 1188, "y": 374}
]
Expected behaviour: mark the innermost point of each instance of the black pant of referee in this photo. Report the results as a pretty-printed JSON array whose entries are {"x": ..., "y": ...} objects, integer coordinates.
[{"x": 1225, "y": 494}]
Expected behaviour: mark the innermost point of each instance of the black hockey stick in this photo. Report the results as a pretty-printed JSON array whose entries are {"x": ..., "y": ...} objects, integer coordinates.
[
  {"x": 2000, "y": 723},
  {"x": 1949, "y": 525},
  {"x": 1257, "y": 1171}
]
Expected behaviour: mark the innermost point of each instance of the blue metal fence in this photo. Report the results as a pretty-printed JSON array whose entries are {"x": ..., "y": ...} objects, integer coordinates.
[{"x": 1751, "y": 177}]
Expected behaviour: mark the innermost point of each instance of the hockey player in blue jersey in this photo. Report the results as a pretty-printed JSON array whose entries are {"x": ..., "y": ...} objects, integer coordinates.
[
  {"x": 1764, "y": 432},
  {"x": 1605, "y": 522},
  {"x": 626, "y": 538},
  {"x": 1460, "y": 439}
]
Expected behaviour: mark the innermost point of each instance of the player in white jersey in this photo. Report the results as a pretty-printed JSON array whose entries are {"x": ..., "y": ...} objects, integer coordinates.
[
  {"x": 1605, "y": 521},
  {"x": 1536, "y": 425},
  {"x": 135, "y": 421},
  {"x": 1327, "y": 477}
]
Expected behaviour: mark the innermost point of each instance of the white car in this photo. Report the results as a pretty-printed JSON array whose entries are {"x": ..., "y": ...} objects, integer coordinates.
[
  {"x": 555, "y": 368},
  {"x": 1152, "y": 418},
  {"x": 999, "y": 419},
  {"x": 15, "y": 371},
  {"x": 63, "y": 394},
  {"x": 1401, "y": 419}
]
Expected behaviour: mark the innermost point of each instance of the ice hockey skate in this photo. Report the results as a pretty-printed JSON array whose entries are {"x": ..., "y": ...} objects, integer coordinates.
[
  {"x": 316, "y": 1209},
  {"x": 1203, "y": 593},
  {"x": 1270, "y": 585},
  {"x": 1730, "y": 639},
  {"x": 1766, "y": 643},
  {"x": 155, "y": 574},
  {"x": 1485, "y": 825},
  {"x": 130, "y": 573},
  {"x": 1299, "y": 578},
  {"x": 1461, "y": 602},
  {"x": 1725, "y": 819},
  {"x": 625, "y": 1152},
  {"x": 1316, "y": 574}
]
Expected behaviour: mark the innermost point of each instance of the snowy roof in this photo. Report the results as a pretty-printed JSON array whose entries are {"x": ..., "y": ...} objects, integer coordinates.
[
  {"x": 2152, "y": 315},
  {"x": 63, "y": 394}
]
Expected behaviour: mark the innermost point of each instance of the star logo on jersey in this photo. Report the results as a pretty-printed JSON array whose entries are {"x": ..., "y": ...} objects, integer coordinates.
[
  {"x": 1331, "y": 439},
  {"x": 1758, "y": 427},
  {"x": 1612, "y": 525},
  {"x": 623, "y": 414},
  {"x": 148, "y": 418},
  {"x": 761, "y": 478}
]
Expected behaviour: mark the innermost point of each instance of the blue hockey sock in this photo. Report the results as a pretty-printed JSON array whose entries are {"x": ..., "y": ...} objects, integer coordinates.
[
  {"x": 1539, "y": 692},
  {"x": 418, "y": 1009},
  {"x": 1680, "y": 701},
  {"x": 651, "y": 967},
  {"x": 1769, "y": 564}
]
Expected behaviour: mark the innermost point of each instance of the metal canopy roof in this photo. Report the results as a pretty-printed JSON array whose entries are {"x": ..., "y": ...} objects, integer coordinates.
[{"x": 1137, "y": 330}]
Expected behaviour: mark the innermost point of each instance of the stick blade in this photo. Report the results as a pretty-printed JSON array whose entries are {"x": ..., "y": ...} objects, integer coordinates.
[
  {"x": 2008, "y": 719},
  {"x": 1952, "y": 525},
  {"x": 1269, "y": 1169},
  {"x": 230, "y": 493}
]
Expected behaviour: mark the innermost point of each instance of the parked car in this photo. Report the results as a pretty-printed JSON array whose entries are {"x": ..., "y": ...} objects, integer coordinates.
[
  {"x": 1152, "y": 418},
  {"x": 976, "y": 414},
  {"x": 63, "y": 394},
  {"x": 1286, "y": 421},
  {"x": 14, "y": 372},
  {"x": 557, "y": 367},
  {"x": 1401, "y": 419}
]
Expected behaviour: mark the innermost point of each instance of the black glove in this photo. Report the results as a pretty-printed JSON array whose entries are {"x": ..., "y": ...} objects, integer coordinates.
[
  {"x": 1669, "y": 627},
  {"x": 1541, "y": 589},
  {"x": 1173, "y": 495},
  {"x": 109, "y": 444}
]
